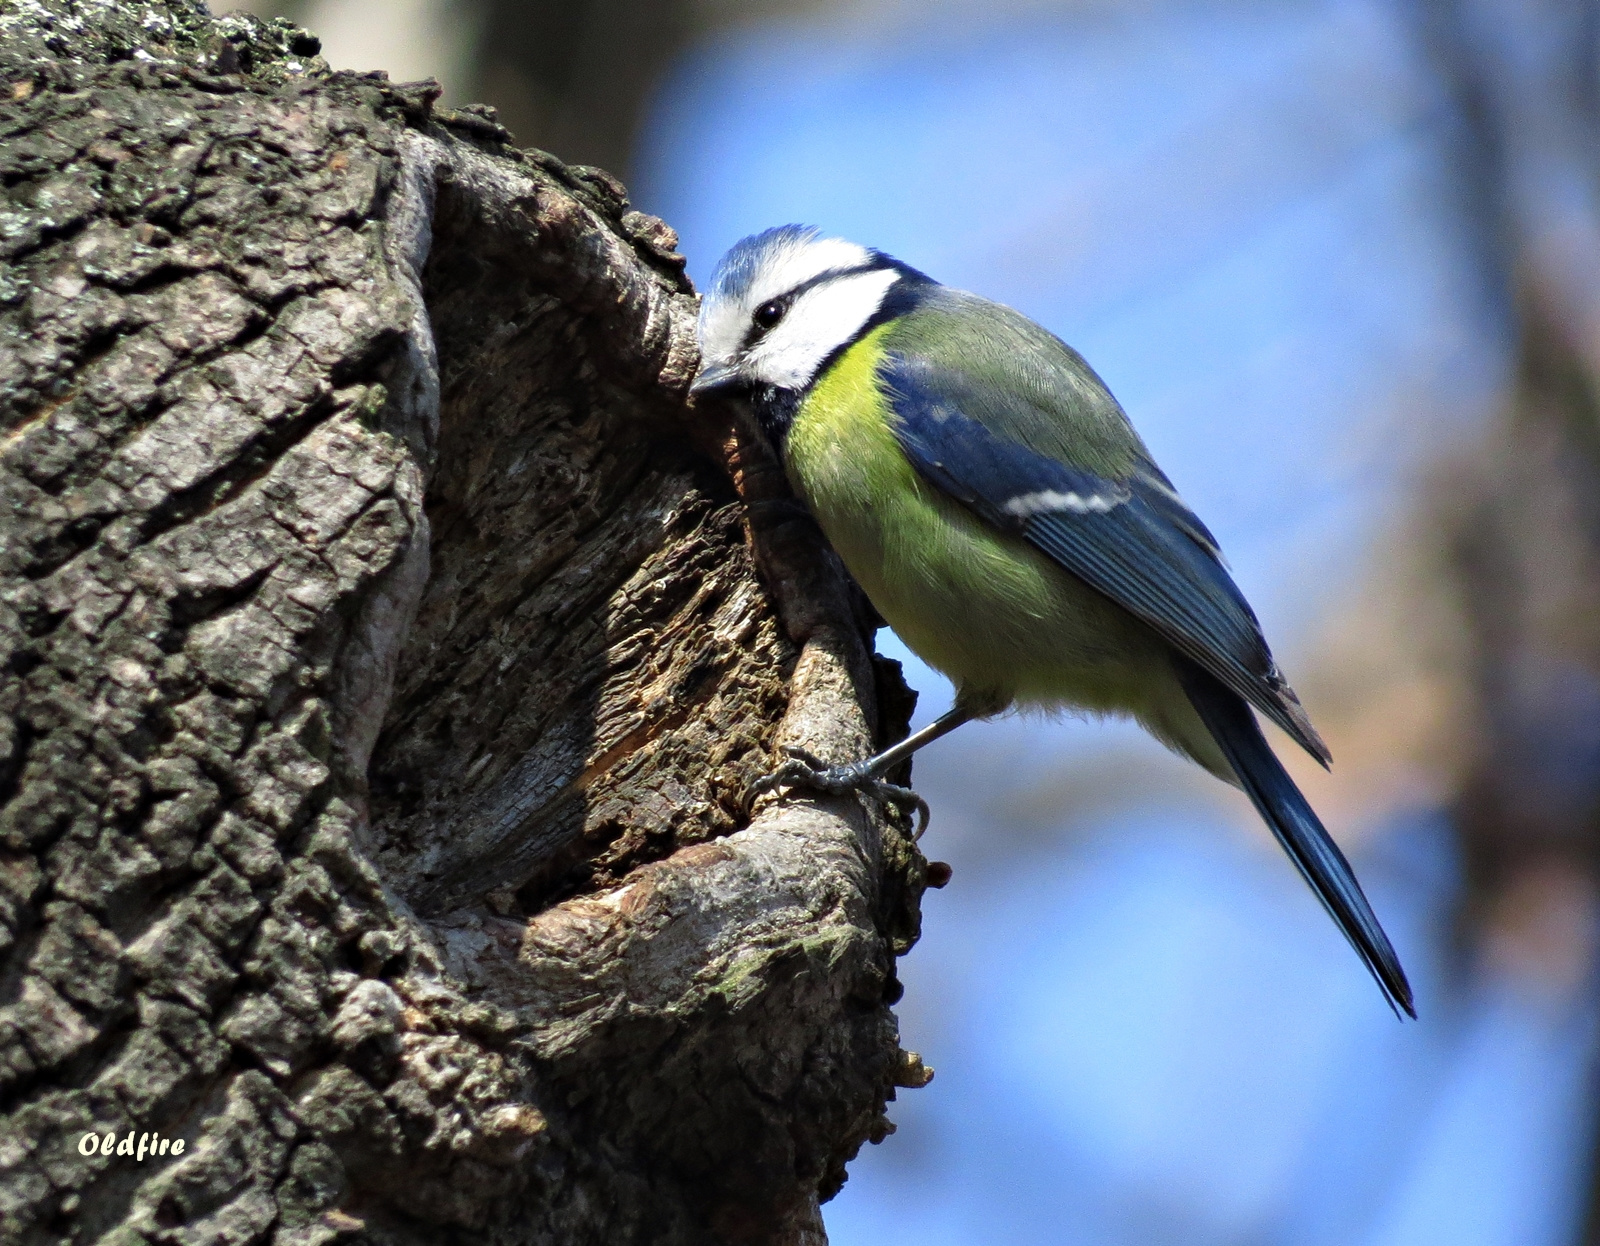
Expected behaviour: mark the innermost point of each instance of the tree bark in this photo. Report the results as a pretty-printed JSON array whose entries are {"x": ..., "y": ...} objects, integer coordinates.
[{"x": 386, "y": 645}]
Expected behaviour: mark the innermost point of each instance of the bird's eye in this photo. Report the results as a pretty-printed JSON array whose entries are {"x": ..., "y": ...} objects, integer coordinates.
[{"x": 768, "y": 314}]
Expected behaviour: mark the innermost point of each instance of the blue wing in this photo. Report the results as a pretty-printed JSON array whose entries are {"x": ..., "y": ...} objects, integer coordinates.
[{"x": 1133, "y": 540}]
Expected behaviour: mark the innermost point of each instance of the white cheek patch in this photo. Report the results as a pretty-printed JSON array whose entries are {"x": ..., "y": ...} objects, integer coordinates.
[{"x": 821, "y": 320}]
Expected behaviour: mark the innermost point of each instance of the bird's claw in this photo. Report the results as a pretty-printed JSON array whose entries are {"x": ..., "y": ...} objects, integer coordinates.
[{"x": 806, "y": 770}]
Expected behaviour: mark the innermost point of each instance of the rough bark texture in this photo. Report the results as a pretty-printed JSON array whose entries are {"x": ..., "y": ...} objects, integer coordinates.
[{"x": 384, "y": 652}]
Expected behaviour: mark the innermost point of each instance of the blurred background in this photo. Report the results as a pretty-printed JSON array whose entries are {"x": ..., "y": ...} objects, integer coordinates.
[{"x": 1340, "y": 260}]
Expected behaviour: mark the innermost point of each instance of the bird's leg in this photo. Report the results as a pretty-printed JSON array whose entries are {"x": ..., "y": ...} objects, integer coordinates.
[{"x": 804, "y": 769}]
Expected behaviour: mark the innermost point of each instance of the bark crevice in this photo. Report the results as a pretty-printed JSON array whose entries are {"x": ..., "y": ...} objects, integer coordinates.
[{"x": 387, "y": 652}]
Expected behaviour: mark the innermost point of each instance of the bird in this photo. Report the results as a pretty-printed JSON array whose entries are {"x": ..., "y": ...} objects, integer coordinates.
[{"x": 997, "y": 507}]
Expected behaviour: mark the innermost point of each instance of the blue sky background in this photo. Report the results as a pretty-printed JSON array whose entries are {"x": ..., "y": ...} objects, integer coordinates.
[{"x": 1247, "y": 216}]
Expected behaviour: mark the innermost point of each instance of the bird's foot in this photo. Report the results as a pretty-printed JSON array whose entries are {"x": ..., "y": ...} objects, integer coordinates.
[{"x": 806, "y": 770}]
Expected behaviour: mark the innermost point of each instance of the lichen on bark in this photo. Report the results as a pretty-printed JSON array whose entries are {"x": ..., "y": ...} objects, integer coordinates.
[{"x": 385, "y": 651}]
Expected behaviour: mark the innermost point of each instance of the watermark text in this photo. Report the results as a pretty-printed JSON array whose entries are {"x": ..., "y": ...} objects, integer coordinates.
[{"x": 148, "y": 1143}]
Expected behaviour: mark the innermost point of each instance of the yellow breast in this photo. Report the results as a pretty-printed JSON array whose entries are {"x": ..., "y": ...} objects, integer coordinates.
[{"x": 980, "y": 605}]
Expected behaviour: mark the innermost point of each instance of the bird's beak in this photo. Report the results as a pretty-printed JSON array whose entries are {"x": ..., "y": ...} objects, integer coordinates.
[{"x": 712, "y": 378}]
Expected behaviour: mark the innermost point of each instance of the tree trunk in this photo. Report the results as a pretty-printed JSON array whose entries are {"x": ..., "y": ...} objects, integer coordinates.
[{"x": 385, "y": 655}]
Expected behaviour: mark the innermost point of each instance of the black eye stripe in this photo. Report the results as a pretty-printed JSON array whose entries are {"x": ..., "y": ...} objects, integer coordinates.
[
  {"x": 787, "y": 300},
  {"x": 761, "y": 324},
  {"x": 831, "y": 274}
]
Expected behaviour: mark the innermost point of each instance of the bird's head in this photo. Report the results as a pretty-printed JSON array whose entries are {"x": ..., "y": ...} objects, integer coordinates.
[{"x": 780, "y": 306}]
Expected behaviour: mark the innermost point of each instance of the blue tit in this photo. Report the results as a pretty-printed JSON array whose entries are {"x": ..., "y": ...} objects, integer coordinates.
[{"x": 997, "y": 507}]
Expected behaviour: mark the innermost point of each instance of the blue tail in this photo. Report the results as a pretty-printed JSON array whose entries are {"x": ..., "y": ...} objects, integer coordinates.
[{"x": 1296, "y": 827}]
